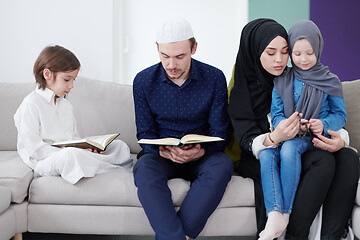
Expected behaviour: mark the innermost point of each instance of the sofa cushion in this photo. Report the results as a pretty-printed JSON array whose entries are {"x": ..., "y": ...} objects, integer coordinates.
[
  {"x": 239, "y": 193},
  {"x": 11, "y": 95},
  {"x": 351, "y": 91},
  {"x": 5, "y": 199},
  {"x": 120, "y": 190},
  {"x": 107, "y": 189},
  {"x": 15, "y": 175},
  {"x": 104, "y": 107}
]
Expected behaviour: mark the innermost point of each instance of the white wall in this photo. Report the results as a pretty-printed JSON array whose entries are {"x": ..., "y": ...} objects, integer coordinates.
[
  {"x": 83, "y": 26},
  {"x": 113, "y": 39},
  {"x": 216, "y": 24}
]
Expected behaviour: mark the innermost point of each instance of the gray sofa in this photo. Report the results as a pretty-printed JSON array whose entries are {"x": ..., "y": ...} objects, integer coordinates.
[{"x": 108, "y": 203}]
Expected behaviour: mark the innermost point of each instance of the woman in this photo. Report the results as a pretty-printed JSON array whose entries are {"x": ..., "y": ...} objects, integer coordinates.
[{"x": 329, "y": 175}]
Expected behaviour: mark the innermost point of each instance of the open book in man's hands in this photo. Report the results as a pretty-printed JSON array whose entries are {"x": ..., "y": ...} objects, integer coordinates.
[
  {"x": 98, "y": 143},
  {"x": 187, "y": 139}
]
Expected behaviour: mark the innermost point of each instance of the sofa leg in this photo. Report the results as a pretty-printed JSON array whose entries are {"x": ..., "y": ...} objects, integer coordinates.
[{"x": 18, "y": 236}]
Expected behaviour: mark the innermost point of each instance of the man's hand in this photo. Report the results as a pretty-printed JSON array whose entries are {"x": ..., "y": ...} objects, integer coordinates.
[
  {"x": 182, "y": 155},
  {"x": 316, "y": 126}
]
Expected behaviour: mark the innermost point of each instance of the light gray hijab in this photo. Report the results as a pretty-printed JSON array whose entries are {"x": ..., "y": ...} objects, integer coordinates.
[{"x": 317, "y": 80}]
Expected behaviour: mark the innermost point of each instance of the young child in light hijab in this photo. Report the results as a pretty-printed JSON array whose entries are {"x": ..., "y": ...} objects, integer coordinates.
[{"x": 310, "y": 89}]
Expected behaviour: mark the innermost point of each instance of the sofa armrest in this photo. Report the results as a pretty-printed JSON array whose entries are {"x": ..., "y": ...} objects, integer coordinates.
[{"x": 15, "y": 175}]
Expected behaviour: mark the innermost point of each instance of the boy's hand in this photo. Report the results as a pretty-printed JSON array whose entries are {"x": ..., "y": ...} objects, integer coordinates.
[
  {"x": 94, "y": 151},
  {"x": 316, "y": 126}
]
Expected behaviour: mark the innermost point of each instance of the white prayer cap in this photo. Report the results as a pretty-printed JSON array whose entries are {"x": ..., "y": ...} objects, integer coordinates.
[{"x": 174, "y": 30}]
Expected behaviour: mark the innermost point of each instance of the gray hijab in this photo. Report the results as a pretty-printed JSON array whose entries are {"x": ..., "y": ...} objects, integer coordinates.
[{"x": 317, "y": 80}]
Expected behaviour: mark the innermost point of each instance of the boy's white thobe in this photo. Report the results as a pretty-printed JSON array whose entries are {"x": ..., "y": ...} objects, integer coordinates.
[{"x": 40, "y": 122}]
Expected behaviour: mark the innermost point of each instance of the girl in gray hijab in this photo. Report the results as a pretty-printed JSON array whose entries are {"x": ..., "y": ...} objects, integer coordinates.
[{"x": 310, "y": 89}]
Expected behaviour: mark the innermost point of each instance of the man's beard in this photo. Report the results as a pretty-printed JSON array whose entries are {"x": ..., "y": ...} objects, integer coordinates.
[{"x": 174, "y": 78}]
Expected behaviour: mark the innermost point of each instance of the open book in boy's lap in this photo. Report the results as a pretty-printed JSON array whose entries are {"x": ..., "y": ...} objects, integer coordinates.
[
  {"x": 187, "y": 139},
  {"x": 98, "y": 143}
]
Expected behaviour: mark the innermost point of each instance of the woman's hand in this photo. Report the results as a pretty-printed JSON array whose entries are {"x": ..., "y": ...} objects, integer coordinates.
[
  {"x": 286, "y": 129},
  {"x": 329, "y": 144}
]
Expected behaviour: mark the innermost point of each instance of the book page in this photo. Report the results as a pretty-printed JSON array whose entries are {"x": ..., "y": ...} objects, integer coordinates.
[
  {"x": 195, "y": 138},
  {"x": 102, "y": 139},
  {"x": 99, "y": 142},
  {"x": 69, "y": 142},
  {"x": 161, "y": 141}
]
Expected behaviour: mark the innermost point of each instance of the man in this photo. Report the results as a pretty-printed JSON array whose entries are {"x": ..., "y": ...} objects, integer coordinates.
[{"x": 173, "y": 98}]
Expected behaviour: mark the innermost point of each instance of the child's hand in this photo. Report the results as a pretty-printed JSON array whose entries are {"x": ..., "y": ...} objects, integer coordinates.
[
  {"x": 94, "y": 151},
  {"x": 316, "y": 126},
  {"x": 304, "y": 122}
]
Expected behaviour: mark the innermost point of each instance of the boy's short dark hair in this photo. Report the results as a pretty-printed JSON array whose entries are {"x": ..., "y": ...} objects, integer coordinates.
[{"x": 56, "y": 59}]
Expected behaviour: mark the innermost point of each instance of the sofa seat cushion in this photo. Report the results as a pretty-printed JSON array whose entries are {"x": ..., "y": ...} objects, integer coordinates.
[
  {"x": 239, "y": 193},
  {"x": 109, "y": 189},
  {"x": 15, "y": 175},
  {"x": 118, "y": 189},
  {"x": 5, "y": 199}
]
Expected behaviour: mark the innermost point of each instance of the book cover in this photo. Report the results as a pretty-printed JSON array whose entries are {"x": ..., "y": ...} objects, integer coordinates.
[{"x": 98, "y": 143}]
